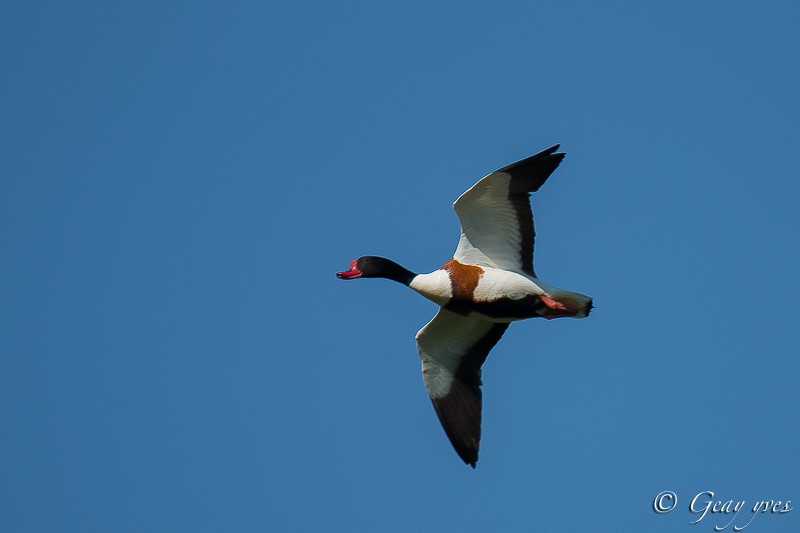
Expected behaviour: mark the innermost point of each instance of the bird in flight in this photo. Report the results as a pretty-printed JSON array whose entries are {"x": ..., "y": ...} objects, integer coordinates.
[{"x": 489, "y": 283}]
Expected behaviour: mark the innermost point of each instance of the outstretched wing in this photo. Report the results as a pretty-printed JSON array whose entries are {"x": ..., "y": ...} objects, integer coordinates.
[
  {"x": 496, "y": 217},
  {"x": 452, "y": 348}
]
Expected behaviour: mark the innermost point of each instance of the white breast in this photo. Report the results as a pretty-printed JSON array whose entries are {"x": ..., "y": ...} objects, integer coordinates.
[{"x": 435, "y": 286}]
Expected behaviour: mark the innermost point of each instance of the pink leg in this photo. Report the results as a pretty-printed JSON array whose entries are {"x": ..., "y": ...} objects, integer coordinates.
[{"x": 552, "y": 304}]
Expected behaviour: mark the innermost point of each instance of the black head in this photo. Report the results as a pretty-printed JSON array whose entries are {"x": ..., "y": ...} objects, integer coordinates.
[{"x": 371, "y": 266}]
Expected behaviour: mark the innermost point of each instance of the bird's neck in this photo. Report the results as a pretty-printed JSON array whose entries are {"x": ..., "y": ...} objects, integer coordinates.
[{"x": 397, "y": 272}]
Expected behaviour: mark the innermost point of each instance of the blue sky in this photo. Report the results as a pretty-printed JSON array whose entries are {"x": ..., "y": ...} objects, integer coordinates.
[{"x": 180, "y": 183}]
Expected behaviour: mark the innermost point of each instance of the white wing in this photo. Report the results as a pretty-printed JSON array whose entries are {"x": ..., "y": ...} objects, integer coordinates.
[
  {"x": 452, "y": 348},
  {"x": 496, "y": 218}
]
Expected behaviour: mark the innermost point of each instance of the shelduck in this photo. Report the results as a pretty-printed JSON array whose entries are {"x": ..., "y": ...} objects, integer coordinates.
[{"x": 489, "y": 283}]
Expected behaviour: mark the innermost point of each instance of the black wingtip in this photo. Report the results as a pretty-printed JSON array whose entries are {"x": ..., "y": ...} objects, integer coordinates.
[
  {"x": 528, "y": 174},
  {"x": 552, "y": 151},
  {"x": 468, "y": 454}
]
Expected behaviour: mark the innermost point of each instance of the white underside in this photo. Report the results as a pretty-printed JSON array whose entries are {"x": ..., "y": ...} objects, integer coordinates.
[
  {"x": 496, "y": 283},
  {"x": 493, "y": 284}
]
